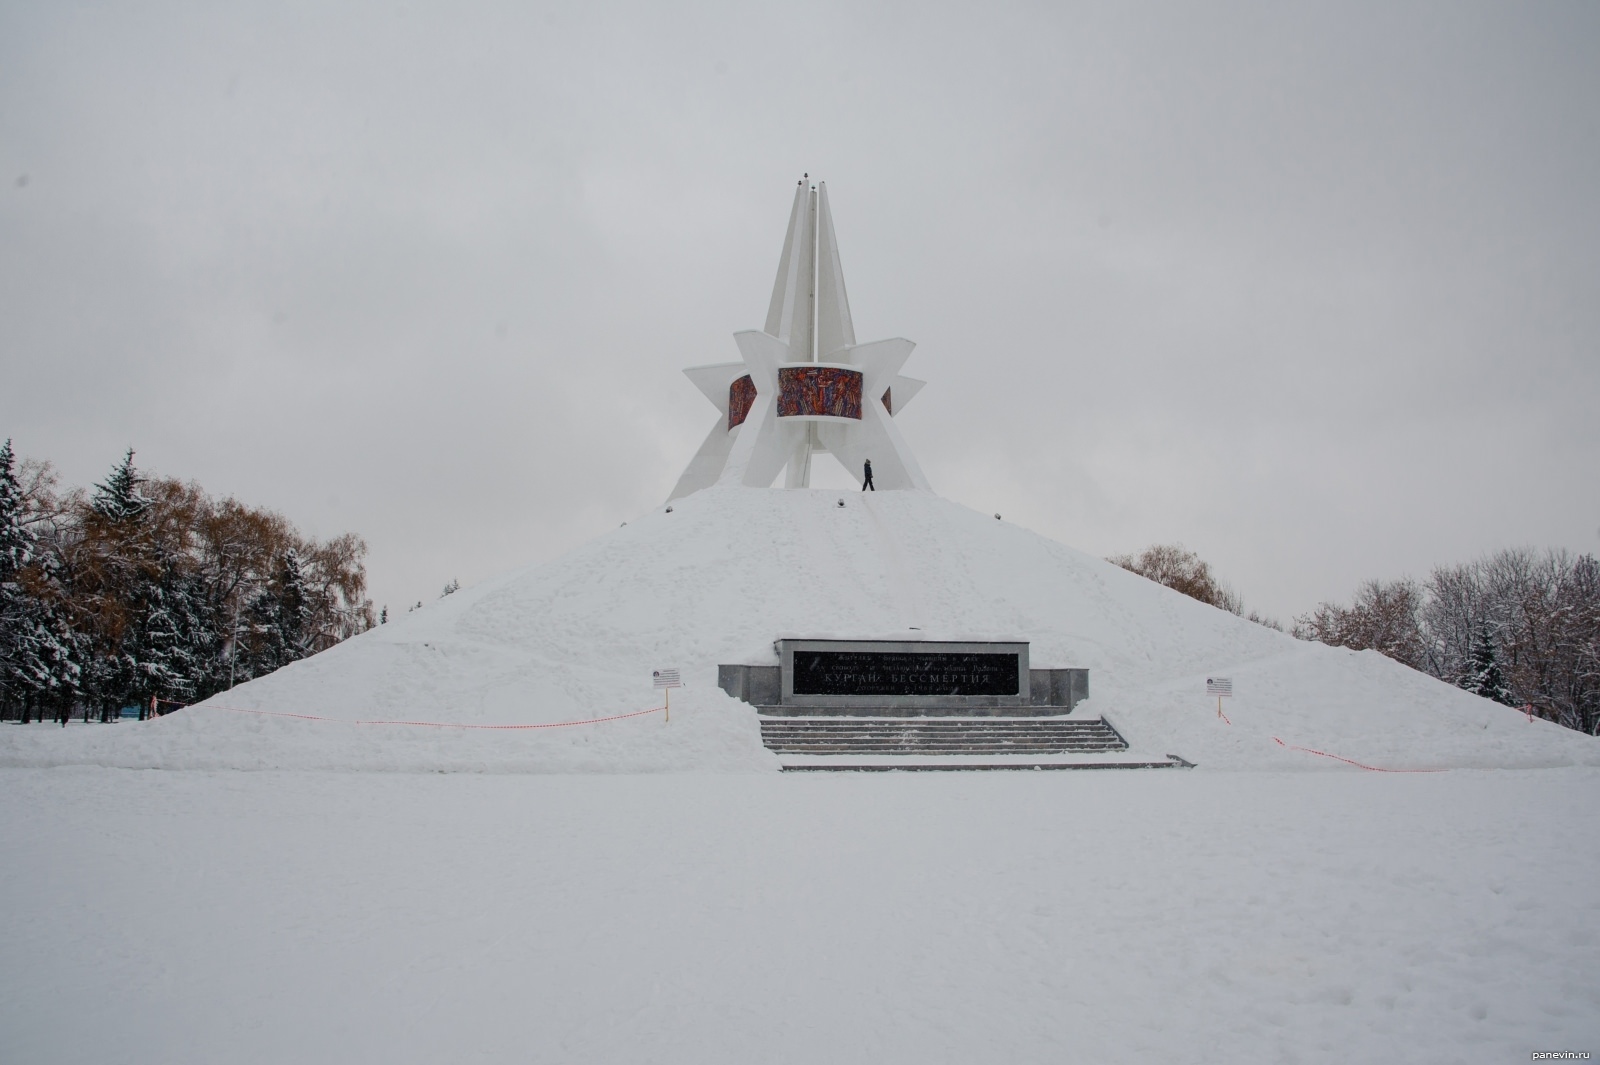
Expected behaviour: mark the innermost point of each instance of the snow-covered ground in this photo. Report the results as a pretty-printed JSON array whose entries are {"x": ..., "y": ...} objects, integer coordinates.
[
  {"x": 1240, "y": 917},
  {"x": 729, "y": 571}
]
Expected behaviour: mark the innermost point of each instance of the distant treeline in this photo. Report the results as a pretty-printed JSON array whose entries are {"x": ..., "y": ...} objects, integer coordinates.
[
  {"x": 1521, "y": 626},
  {"x": 149, "y": 588}
]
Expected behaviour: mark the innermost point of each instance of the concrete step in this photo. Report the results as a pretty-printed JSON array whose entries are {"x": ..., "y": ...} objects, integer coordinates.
[
  {"x": 799, "y": 764},
  {"x": 960, "y": 752},
  {"x": 944, "y": 737},
  {"x": 932, "y": 724},
  {"x": 1094, "y": 740},
  {"x": 934, "y": 734},
  {"x": 941, "y": 736},
  {"x": 1028, "y": 745},
  {"x": 952, "y": 737},
  {"x": 939, "y": 724}
]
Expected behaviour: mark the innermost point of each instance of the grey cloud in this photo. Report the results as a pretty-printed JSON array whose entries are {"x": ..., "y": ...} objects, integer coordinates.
[{"x": 1311, "y": 289}]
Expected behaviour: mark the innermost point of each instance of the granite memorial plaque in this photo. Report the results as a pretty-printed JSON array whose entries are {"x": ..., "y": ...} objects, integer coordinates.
[{"x": 905, "y": 673}]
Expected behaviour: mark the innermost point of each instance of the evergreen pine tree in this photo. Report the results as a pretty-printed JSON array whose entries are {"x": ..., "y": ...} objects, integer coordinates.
[
  {"x": 38, "y": 652},
  {"x": 135, "y": 636},
  {"x": 118, "y": 500},
  {"x": 282, "y": 628},
  {"x": 16, "y": 551},
  {"x": 294, "y": 608},
  {"x": 16, "y": 540},
  {"x": 179, "y": 647},
  {"x": 1485, "y": 677}
]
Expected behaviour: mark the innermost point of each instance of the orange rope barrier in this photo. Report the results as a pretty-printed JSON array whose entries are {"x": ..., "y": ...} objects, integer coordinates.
[
  {"x": 1351, "y": 761},
  {"x": 1335, "y": 757}
]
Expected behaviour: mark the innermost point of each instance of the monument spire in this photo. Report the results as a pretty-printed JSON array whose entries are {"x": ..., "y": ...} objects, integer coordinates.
[
  {"x": 789, "y": 316},
  {"x": 835, "y": 330},
  {"x": 804, "y": 384}
]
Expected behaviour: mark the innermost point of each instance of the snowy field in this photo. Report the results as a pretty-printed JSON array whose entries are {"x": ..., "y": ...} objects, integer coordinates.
[{"x": 1176, "y": 916}]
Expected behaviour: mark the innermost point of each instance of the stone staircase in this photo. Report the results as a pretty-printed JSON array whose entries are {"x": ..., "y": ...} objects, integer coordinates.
[{"x": 864, "y": 743}]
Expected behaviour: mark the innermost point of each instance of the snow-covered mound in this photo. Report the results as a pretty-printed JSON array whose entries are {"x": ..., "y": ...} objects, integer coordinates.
[{"x": 725, "y": 573}]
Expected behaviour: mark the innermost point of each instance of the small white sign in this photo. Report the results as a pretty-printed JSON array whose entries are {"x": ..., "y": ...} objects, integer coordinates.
[
  {"x": 666, "y": 678},
  {"x": 1219, "y": 686}
]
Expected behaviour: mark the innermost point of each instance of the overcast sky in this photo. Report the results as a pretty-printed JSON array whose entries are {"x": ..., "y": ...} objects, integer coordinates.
[{"x": 1314, "y": 291}]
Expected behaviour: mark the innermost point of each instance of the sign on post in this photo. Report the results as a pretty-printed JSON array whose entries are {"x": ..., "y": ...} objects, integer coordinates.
[
  {"x": 1220, "y": 686},
  {"x": 665, "y": 680}
]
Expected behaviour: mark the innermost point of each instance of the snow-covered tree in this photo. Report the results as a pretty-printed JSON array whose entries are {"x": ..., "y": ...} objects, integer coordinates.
[
  {"x": 1173, "y": 566},
  {"x": 115, "y": 585},
  {"x": 1486, "y": 679},
  {"x": 1386, "y": 617},
  {"x": 180, "y": 653},
  {"x": 16, "y": 539},
  {"x": 119, "y": 499},
  {"x": 39, "y": 662},
  {"x": 1520, "y": 626},
  {"x": 38, "y": 650},
  {"x": 137, "y": 589},
  {"x": 282, "y": 619},
  {"x": 147, "y": 603}
]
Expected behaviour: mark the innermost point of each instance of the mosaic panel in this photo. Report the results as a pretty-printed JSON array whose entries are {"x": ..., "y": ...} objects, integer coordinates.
[
  {"x": 741, "y": 397},
  {"x": 830, "y": 391}
]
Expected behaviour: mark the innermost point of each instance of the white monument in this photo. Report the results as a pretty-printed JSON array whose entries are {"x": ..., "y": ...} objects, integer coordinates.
[{"x": 805, "y": 385}]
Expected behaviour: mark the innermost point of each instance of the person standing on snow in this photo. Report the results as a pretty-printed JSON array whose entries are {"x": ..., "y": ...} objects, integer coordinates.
[{"x": 866, "y": 484}]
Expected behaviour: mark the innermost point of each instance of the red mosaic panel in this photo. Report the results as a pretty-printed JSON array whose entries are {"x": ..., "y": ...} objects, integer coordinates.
[
  {"x": 741, "y": 397},
  {"x": 829, "y": 391}
]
